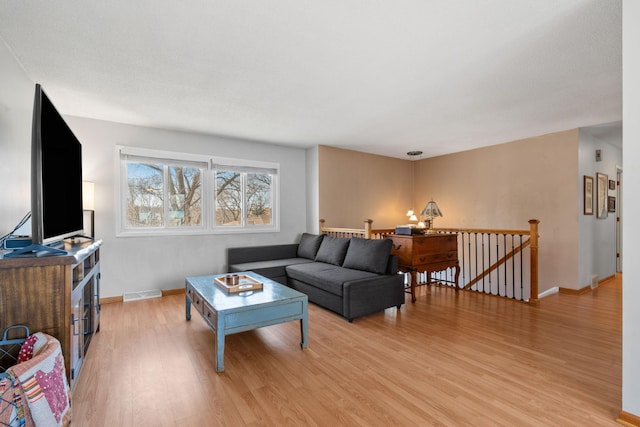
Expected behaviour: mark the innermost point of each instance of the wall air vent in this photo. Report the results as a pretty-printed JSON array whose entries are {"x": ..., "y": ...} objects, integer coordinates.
[{"x": 135, "y": 296}]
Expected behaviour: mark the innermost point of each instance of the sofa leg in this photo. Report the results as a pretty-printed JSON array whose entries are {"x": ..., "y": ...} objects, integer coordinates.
[
  {"x": 398, "y": 306},
  {"x": 350, "y": 320}
]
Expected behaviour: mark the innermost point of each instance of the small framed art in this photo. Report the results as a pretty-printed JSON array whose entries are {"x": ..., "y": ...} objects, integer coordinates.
[
  {"x": 611, "y": 204},
  {"x": 602, "y": 190},
  {"x": 612, "y": 184},
  {"x": 588, "y": 195}
]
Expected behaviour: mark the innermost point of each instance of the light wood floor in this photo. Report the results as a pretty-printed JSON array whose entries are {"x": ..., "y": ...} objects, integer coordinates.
[{"x": 447, "y": 360}]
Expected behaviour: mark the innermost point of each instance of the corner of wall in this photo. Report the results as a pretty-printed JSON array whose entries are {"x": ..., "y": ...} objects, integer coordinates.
[{"x": 312, "y": 193}]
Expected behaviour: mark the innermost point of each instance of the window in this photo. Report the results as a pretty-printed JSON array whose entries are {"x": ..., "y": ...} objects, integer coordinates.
[
  {"x": 244, "y": 195},
  {"x": 150, "y": 184},
  {"x": 177, "y": 193}
]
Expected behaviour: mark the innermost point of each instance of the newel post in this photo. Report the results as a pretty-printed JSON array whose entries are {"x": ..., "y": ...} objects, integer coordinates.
[
  {"x": 533, "y": 238},
  {"x": 321, "y": 225},
  {"x": 367, "y": 228}
]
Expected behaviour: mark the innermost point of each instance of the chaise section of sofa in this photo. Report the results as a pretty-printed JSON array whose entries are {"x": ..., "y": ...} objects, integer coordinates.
[
  {"x": 268, "y": 261},
  {"x": 352, "y": 277}
]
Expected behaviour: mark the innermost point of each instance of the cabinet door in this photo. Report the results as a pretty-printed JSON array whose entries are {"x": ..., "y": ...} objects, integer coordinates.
[
  {"x": 91, "y": 314},
  {"x": 96, "y": 302},
  {"x": 77, "y": 333}
]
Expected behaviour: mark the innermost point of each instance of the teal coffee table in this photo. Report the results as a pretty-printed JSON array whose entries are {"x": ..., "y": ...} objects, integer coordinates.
[{"x": 228, "y": 313}]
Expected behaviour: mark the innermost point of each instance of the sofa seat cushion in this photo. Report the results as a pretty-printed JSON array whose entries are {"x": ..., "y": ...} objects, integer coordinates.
[
  {"x": 271, "y": 268},
  {"x": 325, "y": 276}
]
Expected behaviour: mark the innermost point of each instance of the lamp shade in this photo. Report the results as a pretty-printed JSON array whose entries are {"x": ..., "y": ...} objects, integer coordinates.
[
  {"x": 431, "y": 210},
  {"x": 87, "y": 196}
]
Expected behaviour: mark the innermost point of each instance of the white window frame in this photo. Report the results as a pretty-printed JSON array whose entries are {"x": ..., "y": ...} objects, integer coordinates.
[
  {"x": 208, "y": 225},
  {"x": 229, "y": 164}
]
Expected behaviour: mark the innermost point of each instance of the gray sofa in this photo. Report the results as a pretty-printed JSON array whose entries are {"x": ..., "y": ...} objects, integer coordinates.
[{"x": 352, "y": 277}]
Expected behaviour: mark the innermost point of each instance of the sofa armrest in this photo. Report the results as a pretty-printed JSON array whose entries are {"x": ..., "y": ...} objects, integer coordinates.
[
  {"x": 261, "y": 253},
  {"x": 366, "y": 296}
]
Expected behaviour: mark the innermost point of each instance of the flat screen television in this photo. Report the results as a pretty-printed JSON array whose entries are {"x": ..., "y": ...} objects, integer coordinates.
[{"x": 56, "y": 180}]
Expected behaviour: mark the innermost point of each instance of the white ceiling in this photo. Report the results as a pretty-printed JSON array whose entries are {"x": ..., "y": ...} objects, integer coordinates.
[{"x": 384, "y": 77}]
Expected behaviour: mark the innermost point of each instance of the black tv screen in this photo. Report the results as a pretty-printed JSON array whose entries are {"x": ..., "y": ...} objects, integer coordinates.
[{"x": 56, "y": 175}]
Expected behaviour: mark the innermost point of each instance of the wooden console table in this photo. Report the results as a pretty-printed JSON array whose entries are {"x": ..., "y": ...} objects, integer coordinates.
[{"x": 425, "y": 252}]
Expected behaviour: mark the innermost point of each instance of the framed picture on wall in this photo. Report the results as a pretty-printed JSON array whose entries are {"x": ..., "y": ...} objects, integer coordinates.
[
  {"x": 612, "y": 184},
  {"x": 602, "y": 191},
  {"x": 588, "y": 195},
  {"x": 612, "y": 204}
]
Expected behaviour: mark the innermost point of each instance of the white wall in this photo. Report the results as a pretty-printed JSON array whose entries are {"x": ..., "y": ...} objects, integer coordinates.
[
  {"x": 143, "y": 263},
  {"x": 16, "y": 110},
  {"x": 631, "y": 208},
  {"x": 596, "y": 236}
]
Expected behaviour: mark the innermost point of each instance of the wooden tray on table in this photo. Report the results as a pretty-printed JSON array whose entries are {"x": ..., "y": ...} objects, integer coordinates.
[{"x": 243, "y": 283}]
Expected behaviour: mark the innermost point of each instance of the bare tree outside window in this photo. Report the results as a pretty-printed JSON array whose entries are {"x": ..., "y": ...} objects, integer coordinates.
[
  {"x": 255, "y": 208},
  {"x": 144, "y": 201},
  {"x": 259, "y": 198},
  {"x": 146, "y": 196},
  {"x": 185, "y": 193},
  {"x": 185, "y": 196},
  {"x": 228, "y": 198}
]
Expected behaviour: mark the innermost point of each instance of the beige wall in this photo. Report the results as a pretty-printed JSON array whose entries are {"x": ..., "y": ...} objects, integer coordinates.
[
  {"x": 355, "y": 186},
  {"x": 502, "y": 186}
]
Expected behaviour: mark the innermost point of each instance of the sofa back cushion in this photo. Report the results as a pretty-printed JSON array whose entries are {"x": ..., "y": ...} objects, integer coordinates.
[
  {"x": 368, "y": 255},
  {"x": 332, "y": 250},
  {"x": 309, "y": 245}
]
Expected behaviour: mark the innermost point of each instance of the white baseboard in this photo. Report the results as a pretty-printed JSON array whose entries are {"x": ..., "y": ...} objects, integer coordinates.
[{"x": 548, "y": 292}]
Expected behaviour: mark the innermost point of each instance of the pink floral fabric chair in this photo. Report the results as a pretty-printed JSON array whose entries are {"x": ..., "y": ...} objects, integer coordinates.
[{"x": 36, "y": 391}]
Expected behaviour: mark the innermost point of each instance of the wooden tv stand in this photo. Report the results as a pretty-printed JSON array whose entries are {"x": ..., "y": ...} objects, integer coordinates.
[{"x": 58, "y": 295}]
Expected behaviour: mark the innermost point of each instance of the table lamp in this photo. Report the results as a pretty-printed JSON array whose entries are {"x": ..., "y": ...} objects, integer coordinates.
[{"x": 431, "y": 211}]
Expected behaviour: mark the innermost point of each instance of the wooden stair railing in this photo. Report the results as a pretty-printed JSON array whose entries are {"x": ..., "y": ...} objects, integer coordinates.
[
  {"x": 532, "y": 242},
  {"x": 497, "y": 264},
  {"x": 533, "y": 238},
  {"x": 366, "y": 233}
]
